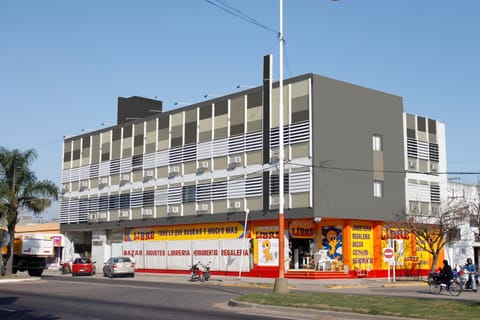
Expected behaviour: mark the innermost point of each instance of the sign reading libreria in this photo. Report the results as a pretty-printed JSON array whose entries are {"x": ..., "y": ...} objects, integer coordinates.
[{"x": 220, "y": 244}]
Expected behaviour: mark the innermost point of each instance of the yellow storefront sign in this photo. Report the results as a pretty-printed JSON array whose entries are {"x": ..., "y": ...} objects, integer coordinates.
[
  {"x": 230, "y": 230},
  {"x": 362, "y": 245}
]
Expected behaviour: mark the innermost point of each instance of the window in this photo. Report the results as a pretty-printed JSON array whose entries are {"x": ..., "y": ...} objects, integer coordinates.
[
  {"x": 378, "y": 189},
  {"x": 377, "y": 142}
]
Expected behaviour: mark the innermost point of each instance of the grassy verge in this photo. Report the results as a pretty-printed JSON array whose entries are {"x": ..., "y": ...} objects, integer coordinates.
[{"x": 375, "y": 305}]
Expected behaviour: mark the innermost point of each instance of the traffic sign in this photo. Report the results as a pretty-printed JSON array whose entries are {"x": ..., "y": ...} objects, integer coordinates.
[{"x": 388, "y": 253}]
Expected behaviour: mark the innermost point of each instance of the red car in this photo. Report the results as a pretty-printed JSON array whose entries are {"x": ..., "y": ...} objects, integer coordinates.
[{"x": 83, "y": 266}]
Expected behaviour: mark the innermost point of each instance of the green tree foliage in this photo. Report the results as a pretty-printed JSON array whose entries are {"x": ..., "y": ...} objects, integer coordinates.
[{"x": 20, "y": 190}]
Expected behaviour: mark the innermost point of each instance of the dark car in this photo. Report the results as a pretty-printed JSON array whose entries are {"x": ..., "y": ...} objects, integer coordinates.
[
  {"x": 83, "y": 266},
  {"x": 117, "y": 266}
]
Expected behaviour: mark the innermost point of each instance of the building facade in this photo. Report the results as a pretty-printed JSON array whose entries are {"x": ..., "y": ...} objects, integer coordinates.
[
  {"x": 465, "y": 242},
  {"x": 201, "y": 182}
]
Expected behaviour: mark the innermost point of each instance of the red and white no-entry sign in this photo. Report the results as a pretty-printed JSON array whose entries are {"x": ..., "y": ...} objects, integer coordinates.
[{"x": 388, "y": 253}]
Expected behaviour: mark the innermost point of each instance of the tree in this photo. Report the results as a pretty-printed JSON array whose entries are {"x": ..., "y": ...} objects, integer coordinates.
[
  {"x": 434, "y": 230},
  {"x": 20, "y": 189}
]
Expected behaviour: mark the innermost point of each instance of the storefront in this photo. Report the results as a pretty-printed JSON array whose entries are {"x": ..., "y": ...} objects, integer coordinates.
[{"x": 331, "y": 245}]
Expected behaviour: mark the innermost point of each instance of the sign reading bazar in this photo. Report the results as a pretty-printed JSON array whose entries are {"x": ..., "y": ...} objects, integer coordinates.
[{"x": 229, "y": 230}]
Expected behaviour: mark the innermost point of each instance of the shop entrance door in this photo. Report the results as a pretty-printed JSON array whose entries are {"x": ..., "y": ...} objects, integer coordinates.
[{"x": 300, "y": 255}]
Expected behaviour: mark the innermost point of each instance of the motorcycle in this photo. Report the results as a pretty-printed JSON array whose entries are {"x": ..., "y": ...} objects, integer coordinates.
[
  {"x": 200, "y": 272},
  {"x": 466, "y": 279},
  {"x": 206, "y": 271},
  {"x": 196, "y": 272},
  {"x": 66, "y": 267}
]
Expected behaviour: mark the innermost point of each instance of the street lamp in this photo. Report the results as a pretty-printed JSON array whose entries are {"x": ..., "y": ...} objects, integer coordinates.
[{"x": 281, "y": 284}]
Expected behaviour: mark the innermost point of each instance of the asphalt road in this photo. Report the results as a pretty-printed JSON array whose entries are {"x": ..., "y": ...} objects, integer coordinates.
[{"x": 58, "y": 298}]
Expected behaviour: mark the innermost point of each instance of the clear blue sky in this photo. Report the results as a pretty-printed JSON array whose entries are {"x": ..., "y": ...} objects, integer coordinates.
[{"x": 63, "y": 64}]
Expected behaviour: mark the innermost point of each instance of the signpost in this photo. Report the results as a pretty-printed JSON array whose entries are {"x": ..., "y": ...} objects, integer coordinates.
[{"x": 389, "y": 257}]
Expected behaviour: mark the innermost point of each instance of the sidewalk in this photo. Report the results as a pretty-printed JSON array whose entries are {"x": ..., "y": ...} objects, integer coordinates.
[{"x": 294, "y": 284}]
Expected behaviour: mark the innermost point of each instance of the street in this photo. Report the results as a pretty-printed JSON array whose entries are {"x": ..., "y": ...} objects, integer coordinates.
[
  {"x": 96, "y": 298},
  {"x": 157, "y": 296}
]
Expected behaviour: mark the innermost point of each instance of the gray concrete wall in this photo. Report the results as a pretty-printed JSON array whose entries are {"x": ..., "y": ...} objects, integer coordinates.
[{"x": 345, "y": 117}]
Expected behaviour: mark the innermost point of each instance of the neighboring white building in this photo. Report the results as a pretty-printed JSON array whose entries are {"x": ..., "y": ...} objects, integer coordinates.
[
  {"x": 425, "y": 160},
  {"x": 466, "y": 242}
]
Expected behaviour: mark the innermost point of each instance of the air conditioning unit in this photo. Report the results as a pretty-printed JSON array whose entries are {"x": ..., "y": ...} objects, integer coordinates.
[
  {"x": 65, "y": 186},
  {"x": 412, "y": 163},
  {"x": 202, "y": 207},
  {"x": 275, "y": 200},
  {"x": 103, "y": 215},
  {"x": 104, "y": 181},
  {"x": 235, "y": 161},
  {"x": 275, "y": 155},
  {"x": 124, "y": 214},
  {"x": 172, "y": 210},
  {"x": 84, "y": 184},
  {"x": 147, "y": 212},
  {"x": 92, "y": 216},
  {"x": 125, "y": 177},
  {"x": 414, "y": 208},
  {"x": 149, "y": 173},
  {"x": 203, "y": 165},
  {"x": 234, "y": 205},
  {"x": 433, "y": 167},
  {"x": 174, "y": 171}
]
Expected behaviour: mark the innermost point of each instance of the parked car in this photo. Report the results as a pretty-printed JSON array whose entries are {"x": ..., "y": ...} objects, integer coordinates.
[
  {"x": 116, "y": 266},
  {"x": 83, "y": 265}
]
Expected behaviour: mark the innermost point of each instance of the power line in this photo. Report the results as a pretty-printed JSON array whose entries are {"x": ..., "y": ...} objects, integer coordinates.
[
  {"x": 223, "y": 5},
  {"x": 321, "y": 166}
]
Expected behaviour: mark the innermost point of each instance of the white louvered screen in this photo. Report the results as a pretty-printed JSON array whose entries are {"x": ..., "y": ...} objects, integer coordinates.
[
  {"x": 299, "y": 182},
  {"x": 175, "y": 195},
  {"x": 219, "y": 147},
  {"x": 254, "y": 187},
  {"x": 423, "y": 150},
  {"x": 189, "y": 153},
  {"x": 104, "y": 169},
  {"x": 75, "y": 174},
  {"x": 204, "y": 150},
  {"x": 236, "y": 144},
  {"x": 161, "y": 197},
  {"x": 149, "y": 161},
  {"x": 126, "y": 165},
  {"x": 418, "y": 192},
  {"x": 236, "y": 188},
  {"x": 66, "y": 176},
  {"x": 161, "y": 158}
]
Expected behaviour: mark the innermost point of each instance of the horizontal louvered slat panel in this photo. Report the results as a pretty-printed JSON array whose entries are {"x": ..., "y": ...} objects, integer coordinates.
[
  {"x": 220, "y": 147},
  {"x": 204, "y": 150},
  {"x": 219, "y": 190},
  {"x": 125, "y": 165},
  {"x": 300, "y": 182},
  {"x": 254, "y": 187},
  {"x": 161, "y": 159},
  {"x": 74, "y": 174},
  {"x": 175, "y": 195},
  {"x": 189, "y": 153},
  {"x": 235, "y": 189},
  {"x": 149, "y": 161},
  {"x": 175, "y": 155},
  {"x": 204, "y": 192},
  {"x": 418, "y": 192},
  {"x": 161, "y": 197},
  {"x": 104, "y": 169},
  {"x": 423, "y": 150},
  {"x": 254, "y": 141},
  {"x": 236, "y": 144}
]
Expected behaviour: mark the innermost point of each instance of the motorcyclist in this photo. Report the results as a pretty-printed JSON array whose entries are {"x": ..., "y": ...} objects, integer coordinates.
[
  {"x": 446, "y": 273},
  {"x": 471, "y": 269}
]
